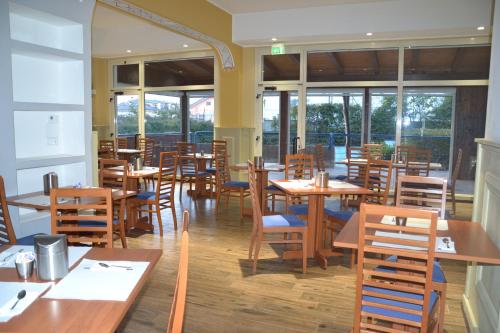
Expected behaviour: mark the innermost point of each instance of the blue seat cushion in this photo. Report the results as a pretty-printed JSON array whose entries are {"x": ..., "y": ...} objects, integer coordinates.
[
  {"x": 342, "y": 215},
  {"x": 341, "y": 177},
  {"x": 273, "y": 188},
  {"x": 299, "y": 209},
  {"x": 399, "y": 304},
  {"x": 151, "y": 196},
  {"x": 211, "y": 170},
  {"x": 91, "y": 223},
  {"x": 27, "y": 240},
  {"x": 437, "y": 272},
  {"x": 199, "y": 174},
  {"x": 236, "y": 184},
  {"x": 273, "y": 221}
]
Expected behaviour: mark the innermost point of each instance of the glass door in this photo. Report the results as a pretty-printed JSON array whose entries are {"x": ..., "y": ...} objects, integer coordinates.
[
  {"x": 127, "y": 116},
  {"x": 279, "y": 123}
]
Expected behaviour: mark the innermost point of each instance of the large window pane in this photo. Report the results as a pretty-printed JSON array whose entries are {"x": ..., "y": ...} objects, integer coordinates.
[
  {"x": 326, "y": 125},
  {"x": 179, "y": 72},
  {"x": 427, "y": 121},
  {"x": 383, "y": 110},
  {"x": 364, "y": 65},
  {"x": 162, "y": 112},
  {"x": 447, "y": 63},
  {"x": 126, "y": 75},
  {"x": 127, "y": 121},
  {"x": 281, "y": 67},
  {"x": 201, "y": 118}
]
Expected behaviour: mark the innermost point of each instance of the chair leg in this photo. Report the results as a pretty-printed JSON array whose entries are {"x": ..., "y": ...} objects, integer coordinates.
[
  {"x": 304, "y": 252},
  {"x": 150, "y": 213},
  {"x": 217, "y": 202},
  {"x": 353, "y": 258},
  {"x": 453, "y": 201},
  {"x": 273, "y": 203},
  {"x": 242, "y": 202},
  {"x": 253, "y": 236},
  {"x": 160, "y": 222},
  {"x": 442, "y": 307},
  {"x": 180, "y": 189},
  {"x": 174, "y": 215},
  {"x": 121, "y": 218},
  {"x": 256, "y": 254}
]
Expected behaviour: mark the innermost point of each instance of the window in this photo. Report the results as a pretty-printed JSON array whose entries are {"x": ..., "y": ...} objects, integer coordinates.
[
  {"x": 126, "y": 114},
  {"x": 383, "y": 110},
  {"x": 364, "y": 65},
  {"x": 447, "y": 63},
  {"x": 201, "y": 118},
  {"x": 126, "y": 75},
  {"x": 162, "y": 112},
  {"x": 281, "y": 67},
  {"x": 179, "y": 72}
]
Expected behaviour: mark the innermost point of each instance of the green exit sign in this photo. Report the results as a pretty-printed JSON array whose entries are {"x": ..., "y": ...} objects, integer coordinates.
[{"x": 278, "y": 49}]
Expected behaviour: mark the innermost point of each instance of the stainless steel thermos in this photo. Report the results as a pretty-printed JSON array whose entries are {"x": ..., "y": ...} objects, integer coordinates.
[{"x": 51, "y": 256}]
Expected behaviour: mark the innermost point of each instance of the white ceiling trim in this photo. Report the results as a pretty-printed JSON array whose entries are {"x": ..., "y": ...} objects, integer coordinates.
[{"x": 222, "y": 49}]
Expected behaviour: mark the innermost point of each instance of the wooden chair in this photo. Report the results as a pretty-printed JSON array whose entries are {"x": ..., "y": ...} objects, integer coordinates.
[
  {"x": 453, "y": 180},
  {"x": 176, "y": 318},
  {"x": 85, "y": 215},
  {"x": 395, "y": 295},
  {"x": 374, "y": 150},
  {"x": 428, "y": 193},
  {"x": 7, "y": 234},
  {"x": 272, "y": 224},
  {"x": 121, "y": 143},
  {"x": 107, "y": 149},
  {"x": 146, "y": 145},
  {"x": 113, "y": 174},
  {"x": 225, "y": 186},
  {"x": 186, "y": 149},
  {"x": 163, "y": 197},
  {"x": 418, "y": 163},
  {"x": 221, "y": 146},
  {"x": 405, "y": 152},
  {"x": 191, "y": 174}
]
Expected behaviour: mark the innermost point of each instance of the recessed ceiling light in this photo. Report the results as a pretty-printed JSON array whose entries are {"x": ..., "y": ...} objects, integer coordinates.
[
  {"x": 369, "y": 33},
  {"x": 480, "y": 28},
  {"x": 185, "y": 45},
  {"x": 274, "y": 39},
  {"x": 472, "y": 38},
  {"x": 129, "y": 51}
]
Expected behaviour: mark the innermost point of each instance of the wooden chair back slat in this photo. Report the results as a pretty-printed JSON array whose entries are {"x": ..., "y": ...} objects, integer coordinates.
[
  {"x": 299, "y": 166},
  {"x": 176, "y": 319},
  {"x": 222, "y": 174},
  {"x": 165, "y": 187},
  {"x": 378, "y": 179},
  {"x": 70, "y": 205},
  {"x": 113, "y": 174},
  {"x": 121, "y": 143},
  {"x": 7, "y": 235},
  {"x": 186, "y": 148},
  {"x": 107, "y": 149},
  {"x": 374, "y": 150},
  {"x": 146, "y": 145},
  {"x": 428, "y": 193},
  {"x": 410, "y": 272},
  {"x": 356, "y": 170}
]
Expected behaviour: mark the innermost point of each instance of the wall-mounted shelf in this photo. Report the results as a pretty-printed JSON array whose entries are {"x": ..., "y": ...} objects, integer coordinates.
[
  {"x": 43, "y": 107},
  {"x": 40, "y": 28},
  {"x": 34, "y": 49}
]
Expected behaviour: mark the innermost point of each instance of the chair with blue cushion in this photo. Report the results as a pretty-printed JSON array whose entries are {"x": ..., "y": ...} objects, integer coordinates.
[
  {"x": 273, "y": 224},
  {"x": 84, "y": 215},
  {"x": 399, "y": 297},
  {"x": 7, "y": 234},
  {"x": 114, "y": 174},
  {"x": 225, "y": 186},
  {"x": 163, "y": 197},
  {"x": 191, "y": 174},
  {"x": 298, "y": 166}
]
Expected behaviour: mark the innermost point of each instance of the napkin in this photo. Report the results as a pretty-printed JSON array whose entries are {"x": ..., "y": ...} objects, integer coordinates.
[
  {"x": 8, "y": 297},
  {"x": 445, "y": 244},
  {"x": 8, "y": 257}
]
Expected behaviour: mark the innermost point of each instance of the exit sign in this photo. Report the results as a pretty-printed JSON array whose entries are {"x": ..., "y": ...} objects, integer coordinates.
[{"x": 278, "y": 49}]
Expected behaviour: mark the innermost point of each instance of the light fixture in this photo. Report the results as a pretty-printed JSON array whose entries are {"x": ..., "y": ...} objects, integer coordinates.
[
  {"x": 472, "y": 38},
  {"x": 129, "y": 51},
  {"x": 480, "y": 28},
  {"x": 274, "y": 39},
  {"x": 185, "y": 45},
  {"x": 369, "y": 33}
]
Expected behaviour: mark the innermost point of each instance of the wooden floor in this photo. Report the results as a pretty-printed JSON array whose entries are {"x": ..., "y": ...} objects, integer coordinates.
[{"x": 223, "y": 295}]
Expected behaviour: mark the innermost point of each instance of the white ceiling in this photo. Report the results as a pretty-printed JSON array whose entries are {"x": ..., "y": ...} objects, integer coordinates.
[
  {"x": 251, "y": 6},
  {"x": 114, "y": 32}
]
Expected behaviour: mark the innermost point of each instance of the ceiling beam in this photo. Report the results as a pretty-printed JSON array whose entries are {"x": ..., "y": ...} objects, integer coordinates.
[{"x": 458, "y": 58}]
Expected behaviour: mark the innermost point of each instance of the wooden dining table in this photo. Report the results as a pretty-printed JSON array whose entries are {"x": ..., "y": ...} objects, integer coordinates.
[
  {"x": 472, "y": 243},
  {"x": 316, "y": 204},
  {"x": 262, "y": 175},
  {"x": 127, "y": 154},
  {"x": 71, "y": 315}
]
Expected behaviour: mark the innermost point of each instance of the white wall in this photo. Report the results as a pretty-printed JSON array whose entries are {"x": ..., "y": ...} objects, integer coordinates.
[
  {"x": 386, "y": 19},
  {"x": 492, "y": 132}
]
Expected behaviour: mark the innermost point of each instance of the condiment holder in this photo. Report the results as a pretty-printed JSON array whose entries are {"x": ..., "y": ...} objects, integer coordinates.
[{"x": 25, "y": 263}]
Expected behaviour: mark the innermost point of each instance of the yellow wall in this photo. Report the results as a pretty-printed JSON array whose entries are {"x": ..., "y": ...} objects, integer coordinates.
[{"x": 204, "y": 17}]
